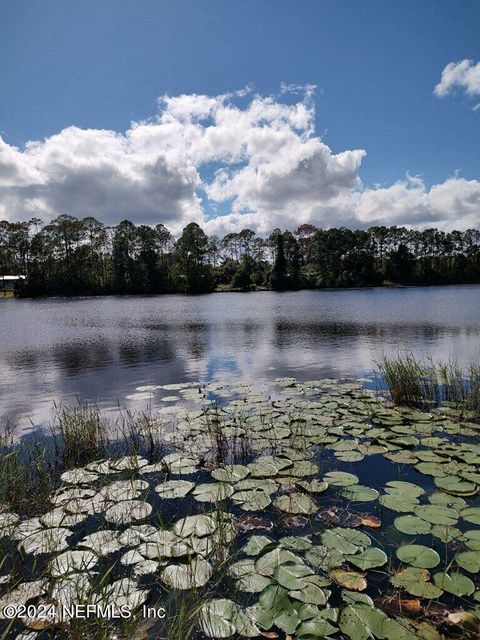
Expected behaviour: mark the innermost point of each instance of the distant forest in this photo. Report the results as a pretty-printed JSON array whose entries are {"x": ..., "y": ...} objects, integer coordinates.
[{"x": 72, "y": 257}]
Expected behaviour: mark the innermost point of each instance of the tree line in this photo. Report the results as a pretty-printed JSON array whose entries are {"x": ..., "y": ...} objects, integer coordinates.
[{"x": 73, "y": 257}]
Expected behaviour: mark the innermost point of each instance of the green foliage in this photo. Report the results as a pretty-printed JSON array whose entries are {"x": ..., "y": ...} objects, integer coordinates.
[{"x": 69, "y": 256}]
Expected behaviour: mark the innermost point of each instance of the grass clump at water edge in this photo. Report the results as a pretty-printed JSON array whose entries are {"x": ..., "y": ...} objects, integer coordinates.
[{"x": 415, "y": 383}]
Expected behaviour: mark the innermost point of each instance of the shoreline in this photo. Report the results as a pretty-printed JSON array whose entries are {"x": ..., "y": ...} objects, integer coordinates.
[{"x": 233, "y": 290}]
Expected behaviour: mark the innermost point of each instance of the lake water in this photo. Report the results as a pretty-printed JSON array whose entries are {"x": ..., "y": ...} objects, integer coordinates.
[{"x": 104, "y": 349}]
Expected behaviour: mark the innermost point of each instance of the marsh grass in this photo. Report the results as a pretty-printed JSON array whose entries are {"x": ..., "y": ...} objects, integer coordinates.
[
  {"x": 30, "y": 467},
  {"x": 27, "y": 474},
  {"x": 413, "y": 383},
  {"x": 81, "y": 434}
]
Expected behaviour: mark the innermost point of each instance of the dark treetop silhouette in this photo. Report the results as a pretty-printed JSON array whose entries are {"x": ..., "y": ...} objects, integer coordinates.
[{"x": 74, "y": 257}]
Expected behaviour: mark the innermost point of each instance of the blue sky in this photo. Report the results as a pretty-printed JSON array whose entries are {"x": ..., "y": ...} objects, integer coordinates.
[{"x": 100, "y": 65}]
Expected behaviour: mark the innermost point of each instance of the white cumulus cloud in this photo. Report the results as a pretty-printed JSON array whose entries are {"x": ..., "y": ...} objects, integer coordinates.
[
  {"x": 464, "y": 74},
  {"x": 227, "y": 162}
]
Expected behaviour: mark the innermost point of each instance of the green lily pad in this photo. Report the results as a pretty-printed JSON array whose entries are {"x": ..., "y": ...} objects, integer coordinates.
[
  {"x": 454, "y": 485},
  {"x": 187, "y": 576},
  {"x": 416, "y": 581},
  {"x": 412, "y": 525},
  {"x": 471, "y": 514},
  {"x": 198, "y": 525},
  {"x": 268, "y": 562},
  {"x": 397, "y": 502},
  {"x": 255, "y": 545},
  {"x": 404, "y": 488},
  {"x": 315, "y": 628},
  {"x": 340, "y": 478},
  {"x": 436, "y": 514},
  {"x": 323, "y": 557},
  {"x": 298, "y": 503},
  {"x": 212, "y": 492},
  {"x": 252, "y": 500},
  {"x": 359, "y": 493},
  {"x": 468, "y": 560},
  {"x": 446, "y": 534},
  {"x": 368, "y": 558},
  {"x": 310, "y": 594},
  {"x": 295, "y": 543},
  {"x": 290, "y": 574},
  {"x": 417, "y": 555},
  {"x": 361, "y": 622},
  {"x": 230, "y": 473},
  {"x": 345, "y": 541},
  {"x": 314, "y": 486},
  {"x": 454, "y": 583},
  {"x": 174, "y": 489},
  {"x": 472, "y": 539},
  {"x": 215, "y": 618}
]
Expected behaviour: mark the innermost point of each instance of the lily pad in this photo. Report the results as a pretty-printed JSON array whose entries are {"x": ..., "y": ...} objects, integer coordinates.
[
  {"x": 468, "y": 560},
  {"x": 298, "y": 503},
  {"x": 368, "y": 558},
  {"x": 187, "y": 576},
  {"x": 174, "y": 489},
  {"x": 455, "y": 583},
  {"x": 417, "y": 555},
  {"x": 340, "y": 478},
  {"x": 359, "y": 493},
  {"x": 412, "y": 525}
]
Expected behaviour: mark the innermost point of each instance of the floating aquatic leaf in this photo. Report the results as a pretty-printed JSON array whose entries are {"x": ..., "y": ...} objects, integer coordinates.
[
  {"x": 298, "y": 503},
  {"x": 310, "y": 594},
  {"x": 436, "y": 514},
  {"x": 255, "y": 545},
  {"x": 128, "y": 511},
  {"x": 315, "y": 628},
  {"x": 472, "y": 539},
  {"x": 46, "y": 541},
  {"x": 252, "y": 500},
  {"x": 418, "y": 556},
  {"x": 446, "y": 534},
  {"x": 398, "y": 502},
  {"x": 72, "y": 561},
  {"x": 412, "y": 525},
  {"x": 468, "y": 560},
  {"x": 212, "y": 492},
  {"x": 359, "y": 493},
  {"x": 361, "y": 622},
  {"x": 345, "y": 541},
  {"x": 290, "y": 574},
  {"x": 340, "y": 478},
  {"x": 267, "y": 563},
  {"x": 187, "y": 576},
  {"x": 455, "y": 583},
  {"x": 352, "y": 580},
  {"x": 174, "y": 489},
  {"x": 368, "y": 558},
  {"x": 405, "y": 488},
  {"x": 295, "y": 543},
  {"x": 215, "y": 618},
  {"x": 323, "y": 557},
  {"x": 102, "y": 542},
  {"x": 199, "y": 525},
  {"x": 471, "y": 514},
  {"x": 231, "y": 473},
  {"x": 454, "y": 485},
  {"x": 314, "y": 486},
  {"x": 416, "y": 581}
]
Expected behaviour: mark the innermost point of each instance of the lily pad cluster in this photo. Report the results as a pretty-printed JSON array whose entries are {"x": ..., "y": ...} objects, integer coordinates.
[{"x": 263, "y": 506}]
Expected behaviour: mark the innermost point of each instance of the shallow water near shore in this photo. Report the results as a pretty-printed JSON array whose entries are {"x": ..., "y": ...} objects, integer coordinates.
[
  {"x": 314, "y": 510},
  {"x": 119, "y": 351}
]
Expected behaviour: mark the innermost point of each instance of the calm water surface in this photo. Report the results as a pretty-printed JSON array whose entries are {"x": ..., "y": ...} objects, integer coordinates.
[{"x": 104, "y": 349}]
